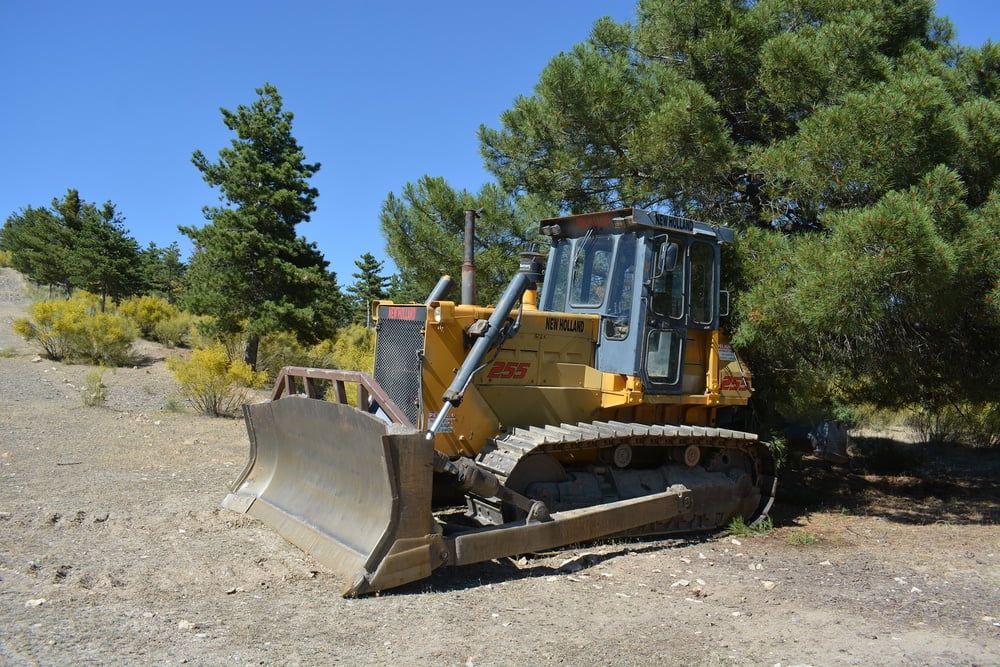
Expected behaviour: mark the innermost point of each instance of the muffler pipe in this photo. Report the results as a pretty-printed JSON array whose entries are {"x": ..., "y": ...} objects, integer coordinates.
[{"x": 469, "y": 259}]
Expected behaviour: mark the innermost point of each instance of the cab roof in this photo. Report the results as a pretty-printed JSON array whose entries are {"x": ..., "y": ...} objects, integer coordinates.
[{"x": 620, "y": 219}]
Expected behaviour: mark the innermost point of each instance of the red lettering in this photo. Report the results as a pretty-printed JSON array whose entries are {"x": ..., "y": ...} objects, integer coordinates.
[
  {"x": 508, "y": 370},
  {"x": 401, "y": 313}
]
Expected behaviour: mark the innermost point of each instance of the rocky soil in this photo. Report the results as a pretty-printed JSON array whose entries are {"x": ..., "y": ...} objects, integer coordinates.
[{"x": 113, "y": 548}]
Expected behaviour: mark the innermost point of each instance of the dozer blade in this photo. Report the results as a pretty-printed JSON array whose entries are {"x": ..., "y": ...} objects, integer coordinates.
[{"x": 349, "y": 489}]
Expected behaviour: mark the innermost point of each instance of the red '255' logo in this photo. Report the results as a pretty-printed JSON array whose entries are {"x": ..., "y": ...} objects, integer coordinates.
[{"x": 508, "y": 370}]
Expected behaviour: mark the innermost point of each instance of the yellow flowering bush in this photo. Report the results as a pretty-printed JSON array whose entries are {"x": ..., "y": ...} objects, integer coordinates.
[
  {"x": 212, "y": 383},
  {"x": 75, "y": 329},
  {"x": 148, "y": 311}
]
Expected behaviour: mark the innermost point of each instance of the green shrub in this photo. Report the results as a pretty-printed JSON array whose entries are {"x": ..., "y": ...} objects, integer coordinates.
[
  {"x": 175, "y": 331},
  {"x": 966, "y": 423},
  {"x": 778, "y": 446},
  {"x": 280, "y": 349},
  {"x": 6, "y": 259},
  {"x": 75, "y": 329},
  {"x": 95, "y": 392},
  {"x": 212, "y": 383},
  {"x": 801, "y": 538},
  {"x": 147, "y": 311},
  {"x": 738, "y": 527}
]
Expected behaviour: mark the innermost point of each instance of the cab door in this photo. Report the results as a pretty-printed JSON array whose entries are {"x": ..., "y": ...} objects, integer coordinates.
[
  {"x": 666, "y": 315},
  {"x": 683, "y": 299}
]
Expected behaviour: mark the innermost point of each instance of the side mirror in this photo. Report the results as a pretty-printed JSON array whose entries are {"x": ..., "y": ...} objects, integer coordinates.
[
  {"x": 666, "y": 259},
  {"x": 723, "y": 303}
]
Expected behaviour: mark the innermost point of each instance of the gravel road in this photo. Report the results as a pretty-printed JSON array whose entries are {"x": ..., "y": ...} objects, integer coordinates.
[{"x": 113, "y": 549}]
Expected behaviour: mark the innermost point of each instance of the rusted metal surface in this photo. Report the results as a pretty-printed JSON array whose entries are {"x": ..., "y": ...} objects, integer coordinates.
[{"x": 306, "y": 381}]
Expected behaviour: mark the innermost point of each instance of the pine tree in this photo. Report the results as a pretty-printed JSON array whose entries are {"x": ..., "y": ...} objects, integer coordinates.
[
  {"x": 424, "y": 226},
  {"x": 250, "y": 269},
  {"x": 853, "y": 143},
  {"x": 369, "y": 285},
  {"x": 75, "y": 244}
]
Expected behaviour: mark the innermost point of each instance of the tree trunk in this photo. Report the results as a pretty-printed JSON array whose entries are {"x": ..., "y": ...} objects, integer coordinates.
[{"x": 253, "y": 343}]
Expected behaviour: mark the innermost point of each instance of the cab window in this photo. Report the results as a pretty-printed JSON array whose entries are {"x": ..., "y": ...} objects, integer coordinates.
[
  {"x": 663, "y": 356},
  {"x": 559, "y": 280},
  {"x": 668, "y": 287},
  {"x": 619, "y": 308},
  {"x": 590, "y": 271},
  {"x": 702, "y": 283}
]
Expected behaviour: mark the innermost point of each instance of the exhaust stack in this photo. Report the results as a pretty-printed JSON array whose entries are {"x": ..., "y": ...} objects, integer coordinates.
[{"x": 468, "y": 259}]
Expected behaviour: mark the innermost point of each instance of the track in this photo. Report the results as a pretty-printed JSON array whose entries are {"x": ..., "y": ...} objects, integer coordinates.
[{"x": 577, "y": 465}]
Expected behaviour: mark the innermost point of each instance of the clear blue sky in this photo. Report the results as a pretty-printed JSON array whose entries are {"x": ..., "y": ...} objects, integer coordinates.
[{"x": 112, "y": 98}]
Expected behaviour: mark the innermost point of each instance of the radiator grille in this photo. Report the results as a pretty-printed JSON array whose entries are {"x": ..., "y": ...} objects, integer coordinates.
[{"x": 397, "y": 367}]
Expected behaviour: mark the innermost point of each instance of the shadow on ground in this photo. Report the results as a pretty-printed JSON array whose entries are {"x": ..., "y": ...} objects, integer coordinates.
[{"x": 907, "y": 483}]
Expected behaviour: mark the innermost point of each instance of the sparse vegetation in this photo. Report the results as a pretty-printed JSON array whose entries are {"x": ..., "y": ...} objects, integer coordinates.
[
  {"x": 8, "y": 352},
  {"x": 6, "y": 256},
  {"x": 173, "y": 404},
  {"x": 968, "y": 423},
  {"x": 738, "y": 527},
  {"x": 95, "y": 392},
  {"x": 801, "y": 538},
  {"x": 213, "y": 383}
]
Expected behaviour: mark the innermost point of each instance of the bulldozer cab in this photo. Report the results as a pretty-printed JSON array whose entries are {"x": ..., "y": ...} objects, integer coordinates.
[{"x": 651, "y": 277}]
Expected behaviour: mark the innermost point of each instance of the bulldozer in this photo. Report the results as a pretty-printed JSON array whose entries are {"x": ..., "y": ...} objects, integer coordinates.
[{"x": 596, "y": 399}]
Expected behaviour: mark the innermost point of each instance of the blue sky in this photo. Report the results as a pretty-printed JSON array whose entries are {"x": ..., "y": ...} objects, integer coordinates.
[{"x": 112, "y": 98}]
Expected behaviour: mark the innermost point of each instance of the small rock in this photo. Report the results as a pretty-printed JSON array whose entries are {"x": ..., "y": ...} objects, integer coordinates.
[
  {"x": 700, "y": 582},
  {"x": 686, "y": 561},
  {"x": 185, "y": 625},
  {"x": 768, "y": 585},
  {"x": 4, "y": 516},
  {"x": 156, "y": 423},
  {"x": 101, "y": 518},
  {"x": 915, "y": 590},
  {"x": 826, "y": 562},
  {"x": 701, "y": 556},
  {"x": 36, "y": 359},
  {"x": 35, "y": 602},
  {"x": 231, "y": 591},
  {"x": 148, "y": 614},
  {"x": 576, "y": 563},
  {"x": 680, "y": 582},
  {"x": 736, "y": 542}
]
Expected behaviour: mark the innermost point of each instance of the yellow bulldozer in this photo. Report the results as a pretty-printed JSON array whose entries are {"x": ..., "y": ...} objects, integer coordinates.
[{"x": 592, "y": 401}]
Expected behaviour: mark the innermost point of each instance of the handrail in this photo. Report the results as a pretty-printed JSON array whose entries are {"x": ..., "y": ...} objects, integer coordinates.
[{"x": 368, "y": 389}]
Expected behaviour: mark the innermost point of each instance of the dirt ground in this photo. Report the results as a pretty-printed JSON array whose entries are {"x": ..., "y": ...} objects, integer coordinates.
[{"x": 113, "y": 549}]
